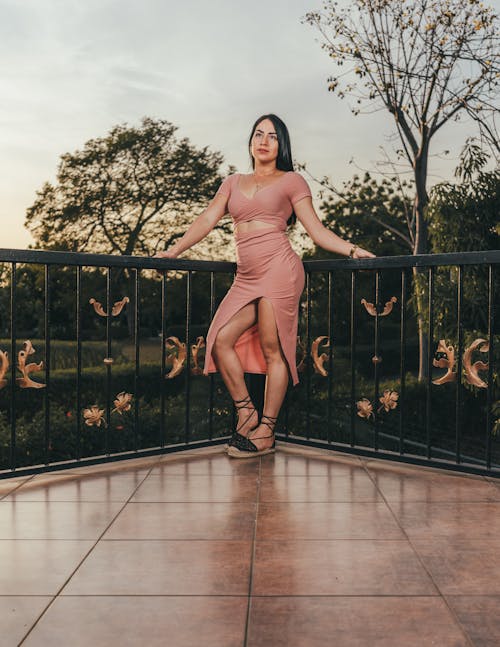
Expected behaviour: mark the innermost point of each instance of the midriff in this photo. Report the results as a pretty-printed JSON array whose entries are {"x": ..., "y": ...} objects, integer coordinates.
[{"x": 252, "y": 225}]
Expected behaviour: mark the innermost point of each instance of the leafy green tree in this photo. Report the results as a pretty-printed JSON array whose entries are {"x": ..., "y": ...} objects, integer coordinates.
[{"x": 134, "y": 191}]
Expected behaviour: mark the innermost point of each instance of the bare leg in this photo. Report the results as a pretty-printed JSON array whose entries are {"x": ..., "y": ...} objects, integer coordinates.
[
  {"x": 277, "y": 371},
  {"x": 229, "y": 363}
]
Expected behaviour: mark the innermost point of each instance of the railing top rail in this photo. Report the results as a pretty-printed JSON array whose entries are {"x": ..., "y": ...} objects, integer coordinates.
[{"x": 140, "y": 262}]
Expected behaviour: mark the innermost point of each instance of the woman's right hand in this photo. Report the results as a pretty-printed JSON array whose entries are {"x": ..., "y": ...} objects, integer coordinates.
[{"x": 167, "y": 253}]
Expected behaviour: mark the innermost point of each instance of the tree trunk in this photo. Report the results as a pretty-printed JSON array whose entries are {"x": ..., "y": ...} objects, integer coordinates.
[{"x": 421, "y": 247}]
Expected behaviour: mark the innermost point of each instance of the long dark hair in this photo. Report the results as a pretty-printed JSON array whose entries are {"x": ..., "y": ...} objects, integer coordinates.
[{"x": 284, "y": 160}]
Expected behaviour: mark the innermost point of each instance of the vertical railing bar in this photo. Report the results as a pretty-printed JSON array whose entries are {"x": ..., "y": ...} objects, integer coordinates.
[
  {"x": 13, "y": 361},
  {"x": 430, "y": 346},
  {"x": 188, "y": 356},
  {"x": 109, "y": 356},
  {"x": 458, "y": 392},
  {"x": 489, "y": 392},
  {"x": 376, "y": 358},
  {"x": 47, "y": 364},
  {"x": 353, "y": 351},
  {"x": 212, "y": 377},
  {"x": 162, "y": 438},
  {"x": 137, "y": 358},
  {"x": 330, "y": 355},
  {"x": 308, "y": 355},
  {"x": 78, "y": 361},
  {"x": 402, "y": 367}
]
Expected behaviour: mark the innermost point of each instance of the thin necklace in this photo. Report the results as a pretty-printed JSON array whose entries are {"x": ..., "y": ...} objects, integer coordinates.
[{"x": 257, "y": 183}]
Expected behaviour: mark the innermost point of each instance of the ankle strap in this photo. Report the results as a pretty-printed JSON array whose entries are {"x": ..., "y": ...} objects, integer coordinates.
[
  {"x": 241, "y": 404},
  {"x": 272, "y": 421}
]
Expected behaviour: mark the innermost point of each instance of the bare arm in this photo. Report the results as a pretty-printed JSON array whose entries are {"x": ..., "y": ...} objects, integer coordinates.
[
  {"x": 322, "y": 236},
  {"x": 199, "y": 228}
]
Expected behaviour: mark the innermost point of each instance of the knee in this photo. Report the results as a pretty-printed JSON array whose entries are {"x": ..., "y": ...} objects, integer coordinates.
[{"x": 221, "y": 342}]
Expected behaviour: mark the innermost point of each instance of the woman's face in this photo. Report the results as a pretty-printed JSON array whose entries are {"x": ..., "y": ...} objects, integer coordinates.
[{"x": 264, "y": 145}]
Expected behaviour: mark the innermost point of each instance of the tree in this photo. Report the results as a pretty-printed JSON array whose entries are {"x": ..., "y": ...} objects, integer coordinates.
[
  {"x": 131, "y": 192},
  {"x": 426, "y": 62}
]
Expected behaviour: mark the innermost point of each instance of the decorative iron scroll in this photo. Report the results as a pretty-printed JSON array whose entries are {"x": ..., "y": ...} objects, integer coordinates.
[
  {"x": 319, "y": 360},
  {"x": 115, "y": 309},
  {"x": 371, "y": 309},
  {"x": 25, "y": 382},
  {"x": 389, "y": 401},
  {"x": 4, "y": 367},
  {"x": 470, "y": 369},
  {"x": 173, "y": 344},
  {"x": 447, "y": 362},
  {"x": 94, "y": 416},
  {"x": 195, "y": 349}
]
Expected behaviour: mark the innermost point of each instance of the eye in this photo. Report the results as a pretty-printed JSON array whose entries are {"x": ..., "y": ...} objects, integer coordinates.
[{"x": 273, "y": 137}]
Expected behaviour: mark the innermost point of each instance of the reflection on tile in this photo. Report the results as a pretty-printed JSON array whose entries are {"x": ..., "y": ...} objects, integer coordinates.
[
  {"x": 435, "y": 487},
  {"x": 164, "y": 568},
  {"x": 18, "y": 614},
  {"x": 329, "y": 520},
  {"x": 462, "y": 566},
  {"x": 152, "y": 621},
  {"x": 184, "y": 521},
  {"x": 459, "y": 519},
  {"x": 198, "y": 487},
  {"x": 38, "y": 567},
  {"x": 291, "y": 464},
  {"x": 212, "y": 464},
  {"x": 117, "y": 487},
  {"x": 348, "y": 622},
  {"x": 55, "y": 520},
  {"x": 355, "y": 487},
  {"x": 338, "y": 567},
  {"x": 480, "y": 617}
]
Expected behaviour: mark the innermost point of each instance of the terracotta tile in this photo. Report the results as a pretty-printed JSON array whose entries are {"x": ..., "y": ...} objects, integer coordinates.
[
  {"x": 55, "y": 520},
  {"x": 331, "y": 520},
  {"x": 154, "y": 621},
  {"x": 355, "y": 487},
  {"x": 352, "y": 622},
  {"x": 292, "y": 464},
  {"x": 436, "y": 487},
  {"x": 338, "y": 567},
  {"x": 400, "y": 467},
  {"x": 198, "y": 487},
  {"x": 184, "y": 521},
  {"x": 213, "y": 464},
  {"x": 164, "y": 568},
  {"x": 462, "y": 566},
  {"x": 460, "y": 519},
  {"x": 112, "y": 487},
  {"x": 38, "y": 567},
  {"x": 479, "y": 616},
  {"x": 18, "y": 614},
  {"x": 10, "y": 484}
]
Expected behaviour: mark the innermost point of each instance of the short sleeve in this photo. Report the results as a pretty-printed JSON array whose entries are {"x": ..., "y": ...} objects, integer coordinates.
[
  {"x": 225, "y": 187},
  {"x": 298, "y": 188}
]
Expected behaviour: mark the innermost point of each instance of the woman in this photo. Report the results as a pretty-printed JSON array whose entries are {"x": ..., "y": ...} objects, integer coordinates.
[{"x": 255, "y": 327}]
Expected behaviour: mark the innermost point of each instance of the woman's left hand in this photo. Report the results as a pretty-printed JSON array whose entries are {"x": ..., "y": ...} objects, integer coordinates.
[{"x": 359, "y": 252}]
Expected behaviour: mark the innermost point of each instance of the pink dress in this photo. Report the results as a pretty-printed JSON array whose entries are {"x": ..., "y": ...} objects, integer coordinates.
[{"x": 267, "y": 267}]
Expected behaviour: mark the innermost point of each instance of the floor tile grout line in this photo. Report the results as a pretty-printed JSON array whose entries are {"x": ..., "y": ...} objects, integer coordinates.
[
  {"x": 91, "y": 549},
  {"x": 419, "y": 558},
  {"x": 252, "y": 558}
]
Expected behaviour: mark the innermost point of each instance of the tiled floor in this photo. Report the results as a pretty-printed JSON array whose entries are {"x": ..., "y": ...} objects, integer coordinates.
[{"x": 303, "y": 548}]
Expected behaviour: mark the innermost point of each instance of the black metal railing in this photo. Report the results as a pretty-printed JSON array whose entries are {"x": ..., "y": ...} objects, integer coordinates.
[{"x": 398, "y": 358}]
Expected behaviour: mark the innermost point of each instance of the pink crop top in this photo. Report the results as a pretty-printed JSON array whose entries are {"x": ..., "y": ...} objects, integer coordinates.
[{"x": 272, "y": 204}]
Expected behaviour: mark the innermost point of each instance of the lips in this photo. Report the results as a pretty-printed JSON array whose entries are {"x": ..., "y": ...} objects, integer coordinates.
[{"x": 263, "y": 150}]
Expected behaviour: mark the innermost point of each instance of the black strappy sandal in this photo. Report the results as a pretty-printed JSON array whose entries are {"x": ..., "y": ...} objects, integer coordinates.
[
  {"x": 236, "y": 438},
  {"x": 245, "y": 448}
]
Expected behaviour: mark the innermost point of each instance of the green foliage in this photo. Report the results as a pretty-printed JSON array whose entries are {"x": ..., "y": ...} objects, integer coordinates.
[{"x": 130, "y": 192}]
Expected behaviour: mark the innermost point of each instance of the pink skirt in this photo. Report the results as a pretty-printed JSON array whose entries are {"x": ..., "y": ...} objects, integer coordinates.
[{"x": 267, "y": 267}]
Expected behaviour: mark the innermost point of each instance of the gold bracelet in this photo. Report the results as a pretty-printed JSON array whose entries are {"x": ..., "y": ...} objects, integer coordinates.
[{"x": 352, "y": 250}]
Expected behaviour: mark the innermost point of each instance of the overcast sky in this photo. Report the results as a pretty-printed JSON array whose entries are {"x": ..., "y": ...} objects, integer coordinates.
[{"x": 71, "y": 69}]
